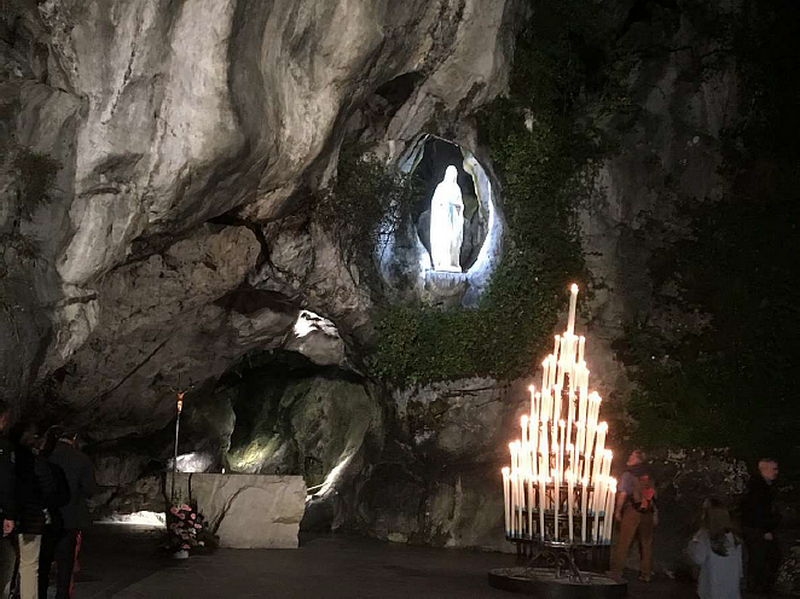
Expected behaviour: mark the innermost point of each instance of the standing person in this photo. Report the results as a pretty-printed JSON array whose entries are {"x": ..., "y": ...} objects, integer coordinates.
[
  {"x": 35, "y": 487},
  {"x": 760, "y": 519},
  {"x": 63, "y": 544},
  {"x": 636, "y": 514},
  {"x": 8, "y": 503},
  {"x": 717, "y": 549}
]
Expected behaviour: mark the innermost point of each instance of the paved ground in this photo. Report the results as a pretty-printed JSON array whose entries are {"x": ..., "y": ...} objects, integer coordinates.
[{"x": 123, "y": 561}]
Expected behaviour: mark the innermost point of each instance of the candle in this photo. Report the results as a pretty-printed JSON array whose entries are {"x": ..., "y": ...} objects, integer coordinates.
[
  {"x": 570, "y": 501},
  {"x": 563, "y": 430},
  {"x": 520, "y": 502},
  {"x": 552, "y": 372},
  {"x": 506, "y": 499},
  {"x": 530, "y": 505},
  {"x": 541, "y": 505},
  {"x": 598, "y": 489},
  {"x": 573, "y": 300},
  {"x": 557, "y": 488},
  {"x": 609, "y": 517},
  {"x": 545, "y": 373},
  {"x": 581, "y": 348},
  {"x": 556, "y": 345},
  {"x": 585, "y": 485}
]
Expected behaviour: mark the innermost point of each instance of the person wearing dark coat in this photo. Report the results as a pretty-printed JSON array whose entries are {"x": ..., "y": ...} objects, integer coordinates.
[
  {"x": 8, "y": 502},
  {"x": 35, "y": 483},
  {"x": 63, "y": 542},
  {"x": 760, "y": 520}
]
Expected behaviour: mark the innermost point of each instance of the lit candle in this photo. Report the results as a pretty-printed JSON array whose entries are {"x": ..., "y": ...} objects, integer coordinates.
[
  {"x": 581, "y": 348},
  {"x": 556, "y": 345},
  {"x": 598, "y": 492},
  {"x": 609, "y": 517},
  {"x": 563, "y": 430},
  {"x": 573, "y": 300},
  {"x": 507, "y": 499},
  {"x": 552, "y": 372},
  {"x": 545, "y": 373}
]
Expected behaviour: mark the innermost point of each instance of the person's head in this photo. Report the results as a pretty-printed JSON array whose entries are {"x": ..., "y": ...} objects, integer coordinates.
[
  {"x": 30, "y": 436},
  {"x": 636, "y": 457},
  {"x": 5, "y": 415},
  {"x": 768, "y": 469},
  {"x": 717, "y": 521}
]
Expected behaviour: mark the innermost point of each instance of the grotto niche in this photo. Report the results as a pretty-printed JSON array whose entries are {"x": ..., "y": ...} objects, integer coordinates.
[{"x": 455, "y": 192}]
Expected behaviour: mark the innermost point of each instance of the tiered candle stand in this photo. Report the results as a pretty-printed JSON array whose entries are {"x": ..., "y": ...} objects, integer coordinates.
[{"x": 547, "y": 567}]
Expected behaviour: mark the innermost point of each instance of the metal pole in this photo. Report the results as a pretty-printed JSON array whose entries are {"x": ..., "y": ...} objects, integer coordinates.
[{"x": 175, "y": 455}]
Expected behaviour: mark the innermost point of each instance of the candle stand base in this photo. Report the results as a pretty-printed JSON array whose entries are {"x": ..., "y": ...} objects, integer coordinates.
[{"x": 557, "y": 574}]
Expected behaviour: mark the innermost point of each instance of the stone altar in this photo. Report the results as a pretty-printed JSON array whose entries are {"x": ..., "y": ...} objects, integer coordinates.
[{"x": 247, "y": 511}]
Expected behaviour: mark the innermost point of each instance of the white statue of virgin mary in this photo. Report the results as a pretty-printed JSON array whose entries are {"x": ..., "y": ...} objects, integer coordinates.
[{"x": 447, "y": 223}]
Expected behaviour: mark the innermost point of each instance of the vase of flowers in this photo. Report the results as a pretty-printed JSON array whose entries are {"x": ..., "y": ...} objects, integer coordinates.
[{"x": 188, "y": 532}]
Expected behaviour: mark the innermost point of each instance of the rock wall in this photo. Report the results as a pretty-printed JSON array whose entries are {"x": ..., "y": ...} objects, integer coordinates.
[{"x": 177, "y": 236}]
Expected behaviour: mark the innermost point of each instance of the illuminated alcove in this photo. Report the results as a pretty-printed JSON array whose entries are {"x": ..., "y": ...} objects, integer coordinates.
[{"x": 406, "y": 257}]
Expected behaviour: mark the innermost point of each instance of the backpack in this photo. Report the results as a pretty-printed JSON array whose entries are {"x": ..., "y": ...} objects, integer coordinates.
[
  {"x": 644, "y": 494},
  {"x": 58, "y": 495}
]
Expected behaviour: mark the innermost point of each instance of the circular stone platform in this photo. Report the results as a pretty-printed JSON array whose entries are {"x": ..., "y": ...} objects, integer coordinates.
[{"x": 542, "y": 582}]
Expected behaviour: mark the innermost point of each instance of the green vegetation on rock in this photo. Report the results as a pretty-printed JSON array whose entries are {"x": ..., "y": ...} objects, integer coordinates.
[
  {"x": 717, "y": 368},
  {"x": 545, "y": 155}
]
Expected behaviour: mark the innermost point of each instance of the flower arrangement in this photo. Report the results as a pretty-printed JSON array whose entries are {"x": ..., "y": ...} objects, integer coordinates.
[{"x": 188, "y": 531}]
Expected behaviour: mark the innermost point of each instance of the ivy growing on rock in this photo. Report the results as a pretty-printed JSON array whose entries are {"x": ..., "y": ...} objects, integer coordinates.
[
  {"x": 545, "y": 155},
  {"x": 724, "y": 373},
  {"x": 35, "y": 175},
  {"x": 363, "y": 207}
]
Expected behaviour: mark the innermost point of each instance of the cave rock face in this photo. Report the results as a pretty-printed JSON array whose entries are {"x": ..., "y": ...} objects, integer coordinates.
[{"x": 165, "y": 116}]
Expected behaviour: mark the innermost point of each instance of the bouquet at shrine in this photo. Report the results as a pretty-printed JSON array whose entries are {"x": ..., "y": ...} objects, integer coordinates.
[{"x": 188, "y": 531}]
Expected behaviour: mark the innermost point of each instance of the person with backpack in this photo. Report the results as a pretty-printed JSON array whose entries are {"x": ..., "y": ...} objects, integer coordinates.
[
  {"x": 36, "y": 487},
  {"x": 636, "y": 514},
  {"x": 63, "y": 542},
  {"x": 717, "y": 549}
]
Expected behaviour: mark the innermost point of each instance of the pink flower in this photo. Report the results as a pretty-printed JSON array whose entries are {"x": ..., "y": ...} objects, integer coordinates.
[
  {"x": 173, "y": 510},
  {"x": 193, "y": 516},
  {"x": 186, "y": 508},
  {"x": 182, "y": 516},
  {"x": 185, "y": 546},
  {"x": 201, "y": 526}
]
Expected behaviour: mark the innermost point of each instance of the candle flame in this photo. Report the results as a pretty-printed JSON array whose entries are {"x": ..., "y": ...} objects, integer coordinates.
[
  {"x": 574, "y": 288},
  {"x": 505, "y": 471}
]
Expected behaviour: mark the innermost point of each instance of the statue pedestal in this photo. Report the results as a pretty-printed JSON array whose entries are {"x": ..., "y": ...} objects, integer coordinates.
[{"x": 247, "y": 511}]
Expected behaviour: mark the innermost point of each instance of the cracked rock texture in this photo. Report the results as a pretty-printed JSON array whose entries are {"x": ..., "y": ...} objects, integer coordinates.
[
  {"x": 177, "y": 237},
  {"x": 247, "y": 511},
  {"x": 177, "y": 245}
]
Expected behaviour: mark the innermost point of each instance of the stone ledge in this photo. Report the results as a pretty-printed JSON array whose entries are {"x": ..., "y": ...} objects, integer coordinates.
[{"x": 247, "y": 511}]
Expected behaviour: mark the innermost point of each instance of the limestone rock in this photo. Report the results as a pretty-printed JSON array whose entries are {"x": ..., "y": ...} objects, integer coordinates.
[{"x": 246, "y": 510}]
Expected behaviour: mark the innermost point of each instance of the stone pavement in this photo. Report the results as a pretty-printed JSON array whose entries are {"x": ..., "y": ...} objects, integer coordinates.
[{"x": 122, "y": 561}]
